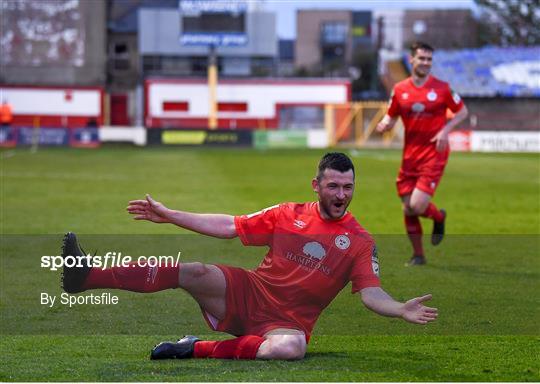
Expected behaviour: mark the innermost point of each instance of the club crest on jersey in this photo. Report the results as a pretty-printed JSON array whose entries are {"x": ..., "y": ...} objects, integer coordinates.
[
  {"x": 404, "y": 95},
  {"x": 432, "y": 95},
  {"x": 314, "y": 250},
  {"x": 299, "y": 224},
  {"x": 375, "y": 261},
  {"x": 342, "y": 242},
  {"x": 456, "y": 97},
  {"x": 418, "y": 107}
]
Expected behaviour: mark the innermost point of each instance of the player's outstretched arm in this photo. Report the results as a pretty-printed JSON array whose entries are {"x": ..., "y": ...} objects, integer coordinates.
[
  {"x": 216, "y": 225},
  {"x": 413, "y": 311},
  {"x": 386, "y": 124}
]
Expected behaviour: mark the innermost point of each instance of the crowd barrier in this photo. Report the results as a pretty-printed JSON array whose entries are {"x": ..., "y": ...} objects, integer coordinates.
[{"x": 93, "y": 137}]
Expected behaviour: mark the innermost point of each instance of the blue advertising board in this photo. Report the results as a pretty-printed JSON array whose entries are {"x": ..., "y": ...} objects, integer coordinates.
[
  {"x": 87, "y": 137},
  {"x": 83, "y": 137},
  {"x": 43, "y": 136},
  {"x": 8, "y": 136}
]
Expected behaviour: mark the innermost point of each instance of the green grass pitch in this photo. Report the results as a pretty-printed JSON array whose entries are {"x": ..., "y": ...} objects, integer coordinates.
[{"x": 485, "y": 276}]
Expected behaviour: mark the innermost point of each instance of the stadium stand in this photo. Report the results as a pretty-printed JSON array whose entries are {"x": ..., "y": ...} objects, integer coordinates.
[{"x": 490, "y": 71}]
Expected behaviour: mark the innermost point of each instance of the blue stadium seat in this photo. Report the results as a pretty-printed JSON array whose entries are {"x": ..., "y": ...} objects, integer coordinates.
[{"x": 490, "y": 71}]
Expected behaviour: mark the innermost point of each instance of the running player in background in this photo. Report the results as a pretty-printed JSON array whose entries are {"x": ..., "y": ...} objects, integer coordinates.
[
  {"x": 422, "y": 101},
  {"x": 314, "y": 250}
]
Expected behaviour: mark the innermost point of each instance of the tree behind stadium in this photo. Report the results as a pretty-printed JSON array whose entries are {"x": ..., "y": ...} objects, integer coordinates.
[{"x": 509, "y": 22}]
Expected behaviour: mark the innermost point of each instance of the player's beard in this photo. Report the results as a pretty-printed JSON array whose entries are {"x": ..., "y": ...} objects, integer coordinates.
[
  {"x": 422, "y": 71},
  {"x": 329, "y": 208}
]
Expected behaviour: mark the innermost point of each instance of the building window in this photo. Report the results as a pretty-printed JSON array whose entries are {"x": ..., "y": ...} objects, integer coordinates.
[
  {"x": 175, "y": 65},
  {"x": 262, "y": 67},
  {"x": 334, "y": 32},
  {"x": 151, "y": 63},
  {"x": 120, "y": 56},
  {"x": 120, "y": 49},
  {"x": 121, "y": 64},
  {"x": 199, "y": 66}
]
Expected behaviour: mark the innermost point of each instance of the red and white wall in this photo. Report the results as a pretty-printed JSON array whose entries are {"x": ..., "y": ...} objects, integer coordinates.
[
  {"x": 244, "y": 104},
  {"x": 54, "y": 106}
]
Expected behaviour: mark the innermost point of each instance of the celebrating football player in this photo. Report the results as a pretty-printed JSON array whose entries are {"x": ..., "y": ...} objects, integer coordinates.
[{"x": 314, "y": 250}]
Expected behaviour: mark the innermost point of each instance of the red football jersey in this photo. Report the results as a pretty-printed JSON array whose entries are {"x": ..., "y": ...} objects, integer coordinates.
[
  {"x": 423, "y": 111},
  {"x": 310, "y": 259}
]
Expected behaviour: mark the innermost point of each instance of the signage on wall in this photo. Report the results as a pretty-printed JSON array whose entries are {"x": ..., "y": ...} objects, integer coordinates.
[{"x": 217, "y": 23}]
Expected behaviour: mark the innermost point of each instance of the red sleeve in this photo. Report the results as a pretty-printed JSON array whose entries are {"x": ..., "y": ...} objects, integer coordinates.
[
  {"x": 365, "y": 270},
  {"x": 257, "y": 228},
  {"x": 453, "y": 101},
  {"x": 393, "y": 108}
]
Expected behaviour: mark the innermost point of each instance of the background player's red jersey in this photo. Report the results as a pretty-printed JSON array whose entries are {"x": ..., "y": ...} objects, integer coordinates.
[
  {"x": 310, "y": 259},
  {"x": 423, "y": 111}
]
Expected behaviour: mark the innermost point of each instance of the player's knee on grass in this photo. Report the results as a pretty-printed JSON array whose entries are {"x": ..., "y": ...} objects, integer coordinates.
[{"x": 283, "y": 347}]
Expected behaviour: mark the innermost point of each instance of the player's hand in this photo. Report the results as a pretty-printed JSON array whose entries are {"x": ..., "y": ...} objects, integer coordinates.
[
  {"x": 417, "y": 313},
  {"x": 383, "y": 127},
  {"x": 148, "y": 209},
  {"x": 441, "y": 140}
]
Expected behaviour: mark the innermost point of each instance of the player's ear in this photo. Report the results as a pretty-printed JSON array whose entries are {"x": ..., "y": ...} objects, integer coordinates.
[{"x": 315, "y": 185}]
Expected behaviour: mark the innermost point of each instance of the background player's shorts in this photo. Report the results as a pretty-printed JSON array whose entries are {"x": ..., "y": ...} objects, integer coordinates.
[
  {"x": 248, "y": 311},
  {"x": 426, "y": 179}
]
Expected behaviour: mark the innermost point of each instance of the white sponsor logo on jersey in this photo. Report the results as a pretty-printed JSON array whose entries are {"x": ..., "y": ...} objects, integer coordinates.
[
  {"x": 418, "y": 107},
  {"x": 315, "y": 250}
]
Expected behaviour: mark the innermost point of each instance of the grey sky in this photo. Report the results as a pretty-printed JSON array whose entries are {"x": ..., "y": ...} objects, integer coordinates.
[{"x": 286, "y": 9}]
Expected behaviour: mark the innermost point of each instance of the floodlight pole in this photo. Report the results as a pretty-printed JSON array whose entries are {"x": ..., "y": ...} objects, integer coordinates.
[{"x": 212, "y": 88}]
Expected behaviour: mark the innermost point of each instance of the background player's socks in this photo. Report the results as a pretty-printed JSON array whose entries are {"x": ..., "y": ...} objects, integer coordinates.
[
  {"x": 432, "y": 212},
  {"x": 243, "y": 347},
  {"x": 133, "y": 278},
  {"x": 414, "y": 230}
]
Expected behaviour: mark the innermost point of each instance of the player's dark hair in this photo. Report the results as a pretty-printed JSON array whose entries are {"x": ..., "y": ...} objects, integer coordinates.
[
  {"x": 334, "y": 160},
  {"x": 420, "y": 45}
]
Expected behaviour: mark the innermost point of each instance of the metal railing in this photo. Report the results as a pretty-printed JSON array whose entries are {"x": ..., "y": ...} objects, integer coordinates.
[{"x": 354, "y": 124}]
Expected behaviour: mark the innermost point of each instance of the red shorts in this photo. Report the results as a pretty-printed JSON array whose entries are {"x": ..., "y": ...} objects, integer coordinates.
[
  {"x": 248, "y": 312},
  {"x": 426, "y": 178}
]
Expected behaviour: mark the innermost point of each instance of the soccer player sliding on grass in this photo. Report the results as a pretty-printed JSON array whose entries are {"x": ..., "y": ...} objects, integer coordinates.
[
  {"x": 315, "y": 249},
  {"x": 422, "y": 101}
]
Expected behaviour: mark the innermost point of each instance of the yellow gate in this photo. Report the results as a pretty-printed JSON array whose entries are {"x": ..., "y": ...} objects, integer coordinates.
[{"x": 354, "y": 124}]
